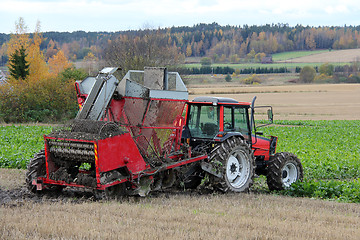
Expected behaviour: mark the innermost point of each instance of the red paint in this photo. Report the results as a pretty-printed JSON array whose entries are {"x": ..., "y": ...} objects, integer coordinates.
[
  {"x": 261, "y": 147},
  {"x": 119, "y": 151}
]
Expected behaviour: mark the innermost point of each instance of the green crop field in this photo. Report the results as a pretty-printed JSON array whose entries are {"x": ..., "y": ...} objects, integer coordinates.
[
  {"x": 329, "y": 151},
  {"x": 283, "y": 56},
  {"x": 20, "y": 143}
]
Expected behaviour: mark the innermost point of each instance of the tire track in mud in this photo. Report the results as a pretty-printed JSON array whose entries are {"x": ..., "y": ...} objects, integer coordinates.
[{"x": 20, "y": 195}]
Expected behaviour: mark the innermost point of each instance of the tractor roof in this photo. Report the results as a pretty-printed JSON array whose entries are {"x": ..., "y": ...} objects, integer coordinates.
[{"x": 218, "y": 100}]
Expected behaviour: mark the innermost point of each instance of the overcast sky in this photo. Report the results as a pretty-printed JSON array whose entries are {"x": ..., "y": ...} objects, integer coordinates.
[{"x": 116, "y": 15}]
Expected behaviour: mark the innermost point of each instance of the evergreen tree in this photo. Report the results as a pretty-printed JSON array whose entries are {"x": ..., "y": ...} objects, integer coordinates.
[
  {"x": 228, "y": 77},
  {"x": 18, "y": 66}
]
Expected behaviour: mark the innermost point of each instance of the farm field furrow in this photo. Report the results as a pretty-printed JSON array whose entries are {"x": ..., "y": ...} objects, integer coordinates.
[
  {"x": 183, "y": 216},
  {"x": 297, "y": 102}
]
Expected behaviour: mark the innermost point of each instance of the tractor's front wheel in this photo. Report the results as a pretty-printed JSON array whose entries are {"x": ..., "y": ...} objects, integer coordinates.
[
  {"x": 237, "y": 161},
  {"x": 283, "y": 170}
]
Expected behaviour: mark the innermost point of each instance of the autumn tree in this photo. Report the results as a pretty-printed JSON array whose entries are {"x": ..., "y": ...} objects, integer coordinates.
[
  {"x": 307, "y": 74},
  {"x": 215, "y": 58},
  {"x": 205, "y": 61},
  {"x": 327, "y": 69},
  {"x": 18, "y": 39},
  {"x": 37, "y": 64},
  {"x": 90, "y": 61},
  {"x": 259, "y": 56},
  {"x": 251, "y": 54},
  {"x": 150, "y": 48},
  {"x": 310, "y": 42},
  {"x": 51, "y": 49},
  {"x": 58, "y": 63},
  {"x": 188, "y": 50}
]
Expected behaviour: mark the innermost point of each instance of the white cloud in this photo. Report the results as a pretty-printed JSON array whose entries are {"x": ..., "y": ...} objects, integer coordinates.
[
  {"x": 113, "y": 15},
  {"x": 336, "y": 9}
]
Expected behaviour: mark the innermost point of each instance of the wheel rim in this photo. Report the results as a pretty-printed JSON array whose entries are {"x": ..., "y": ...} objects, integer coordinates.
[
  {"x": 289, "y": 174},
  {"x": 237, "y": 170}
]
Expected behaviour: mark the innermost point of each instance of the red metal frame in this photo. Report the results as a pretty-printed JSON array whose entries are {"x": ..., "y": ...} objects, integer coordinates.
[
  {"x": 105, "y": 161},
  {"x": 123, "y": 151}
]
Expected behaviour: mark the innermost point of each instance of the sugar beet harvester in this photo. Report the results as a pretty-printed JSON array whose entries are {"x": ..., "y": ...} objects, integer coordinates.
[{"x": 129, "y": 137}]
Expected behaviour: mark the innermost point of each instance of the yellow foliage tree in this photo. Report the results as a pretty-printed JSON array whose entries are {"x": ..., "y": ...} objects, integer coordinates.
[
  {"x": 19, "y": 38},
  {"x": 90, "y": 61},
  {"x": 38, "y": 68},
  {"x": 58, "y": 63},
  {"x": 188, "y": 50}
]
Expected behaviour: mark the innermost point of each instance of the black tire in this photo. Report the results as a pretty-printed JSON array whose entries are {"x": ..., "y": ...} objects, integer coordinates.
[
  {"x": 35, "y": 168},
  {"x": 237, "y": 164},
  {"x": 283, "y": 169}
]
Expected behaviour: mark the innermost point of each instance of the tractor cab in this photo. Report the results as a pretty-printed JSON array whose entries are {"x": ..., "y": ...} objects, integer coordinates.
[
  {"x": 216, "y": 118},
  {"x": 213, "y": 117},
  {"x": 211, "y": 120}
]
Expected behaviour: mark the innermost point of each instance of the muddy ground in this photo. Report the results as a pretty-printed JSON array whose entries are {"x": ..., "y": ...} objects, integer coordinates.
[
  {"x": 13, "y": 192},
  {"x": 19, "y": 195}
]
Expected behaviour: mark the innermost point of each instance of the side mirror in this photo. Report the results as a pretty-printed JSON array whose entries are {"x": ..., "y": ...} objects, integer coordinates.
[
  {"x": 270, "y": 115},
  {"x": 265, "y": 110}
]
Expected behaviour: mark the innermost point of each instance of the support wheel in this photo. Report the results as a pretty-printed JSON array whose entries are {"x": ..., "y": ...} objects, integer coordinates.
[
  {"x": 238, "y": 164},
  {"x": 115, "y": 192},
  {"x": 193, "y": 176},
  {"x": 283, "y": 169},
  {"x": 35, "y": 168}
]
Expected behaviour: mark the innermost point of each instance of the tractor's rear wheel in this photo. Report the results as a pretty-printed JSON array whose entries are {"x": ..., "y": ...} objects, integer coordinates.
[
  {"x": 35, "y": 168},
  {"x": 237, "y": 164},
  {"x": 283, "y": 170}
]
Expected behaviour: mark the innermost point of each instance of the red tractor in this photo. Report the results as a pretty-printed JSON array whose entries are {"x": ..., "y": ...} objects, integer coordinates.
[
  {"x": 225, "y": 130},
  {"x": 129, "y": 137}
]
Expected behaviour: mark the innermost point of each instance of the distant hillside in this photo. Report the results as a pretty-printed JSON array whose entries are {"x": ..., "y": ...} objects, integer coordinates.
[{"x": 221, "y": 43}]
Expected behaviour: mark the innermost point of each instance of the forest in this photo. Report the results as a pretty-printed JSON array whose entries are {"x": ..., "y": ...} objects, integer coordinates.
[{"x": 220, "y": 43}]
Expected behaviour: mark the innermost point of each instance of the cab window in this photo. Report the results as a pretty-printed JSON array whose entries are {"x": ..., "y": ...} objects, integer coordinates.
[
  {"x": 235, "y": 119},
  {"x": 203, "y": 121}
]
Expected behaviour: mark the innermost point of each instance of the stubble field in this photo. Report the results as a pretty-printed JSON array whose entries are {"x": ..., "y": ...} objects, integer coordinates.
[
  {"x": 295, "y": 102},
  {"x": 176, "y": 216},
  {"x": 189, "y": 215}
]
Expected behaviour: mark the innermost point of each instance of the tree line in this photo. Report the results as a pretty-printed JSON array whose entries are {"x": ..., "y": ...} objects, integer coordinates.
[
  {"x": 221, "y": 43},
  {"x": 229, "y": 70}
]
